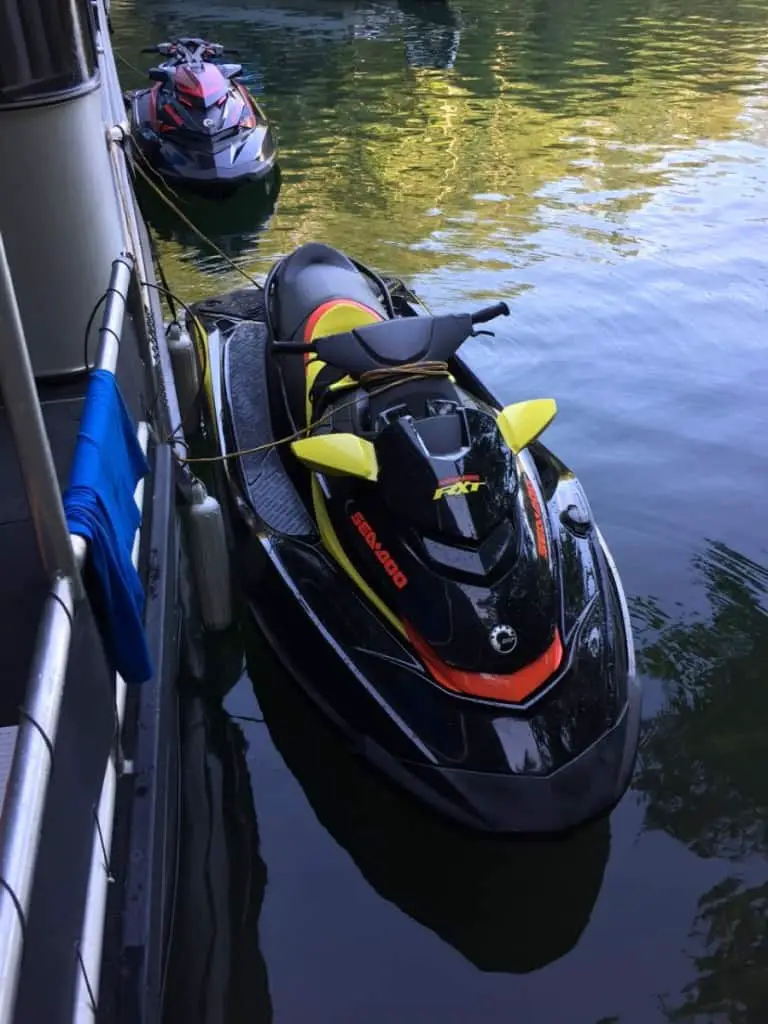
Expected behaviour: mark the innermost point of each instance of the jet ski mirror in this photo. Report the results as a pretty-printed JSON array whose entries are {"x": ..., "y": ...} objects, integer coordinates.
[
  {"x": 523, "y": 422},
  {"x": 338, "y": 455},
  {"x": 158, "y": 74}
]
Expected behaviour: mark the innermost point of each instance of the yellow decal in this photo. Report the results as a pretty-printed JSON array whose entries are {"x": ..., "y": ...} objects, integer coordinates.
[
  {"x": 522, "y": 422},
  {"x": 455, "y": 486},
  {"x": 332, "y": 317},
  {"x": 338, "y": 455},
  {"x": 340, "y": 315}
]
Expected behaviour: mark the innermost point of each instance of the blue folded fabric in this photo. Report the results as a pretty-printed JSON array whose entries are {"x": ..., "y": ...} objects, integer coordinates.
[{"x": 99, "y": 506}]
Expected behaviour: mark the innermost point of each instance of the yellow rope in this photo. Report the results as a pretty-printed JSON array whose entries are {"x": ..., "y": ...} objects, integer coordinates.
[
  {"x": 180, "y": 213},
  {"x": 406, "y": 372}
]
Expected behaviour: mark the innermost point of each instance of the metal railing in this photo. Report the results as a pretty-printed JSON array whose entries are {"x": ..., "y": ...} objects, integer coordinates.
[
  {"x": 63, "y": 556},
  {"x": 115, "y": 116},
  {"x": 99, "y": 876}
]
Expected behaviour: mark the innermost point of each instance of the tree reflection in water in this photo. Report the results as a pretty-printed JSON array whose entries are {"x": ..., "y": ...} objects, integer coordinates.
[{"x": 702, "y": 776}]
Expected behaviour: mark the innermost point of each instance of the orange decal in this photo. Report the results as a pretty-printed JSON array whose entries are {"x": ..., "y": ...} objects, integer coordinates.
[
  {"x": 319, "y": 312},
  {"x": 323, "y": 308},
  {"x": 453, "y": 486},
  {"x": 515, "y": 687},
  {"x": 391, "y": 567},
  {"x": 541, "y": 533}
]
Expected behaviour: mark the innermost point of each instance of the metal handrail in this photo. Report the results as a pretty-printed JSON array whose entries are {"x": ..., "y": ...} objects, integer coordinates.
[
  {"x": 27, "y": 788},
  {"x": 169, "y": 411}
]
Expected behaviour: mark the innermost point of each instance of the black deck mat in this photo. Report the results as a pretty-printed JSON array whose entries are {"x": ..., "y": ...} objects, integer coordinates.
[
  {"x": 242, "y": 304},
  {"x": 271, "y": 491}
]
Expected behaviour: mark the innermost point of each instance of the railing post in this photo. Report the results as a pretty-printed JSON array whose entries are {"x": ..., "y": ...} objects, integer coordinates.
[
  {"x": 17, "y": 383},
  {"x": 27, "y": 790}
]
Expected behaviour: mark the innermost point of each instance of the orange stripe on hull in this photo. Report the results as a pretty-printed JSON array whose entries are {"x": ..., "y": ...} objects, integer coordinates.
[{"x": 514, "y": 688}]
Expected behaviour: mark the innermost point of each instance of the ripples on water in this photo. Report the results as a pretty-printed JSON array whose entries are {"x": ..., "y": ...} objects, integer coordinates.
[{"x": 605, "y": 165}]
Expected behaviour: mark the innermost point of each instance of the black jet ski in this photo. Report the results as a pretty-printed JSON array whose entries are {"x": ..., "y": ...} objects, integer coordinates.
[
  {"x": 425, "y": 566},
  {"x": 197, "y": 125}
]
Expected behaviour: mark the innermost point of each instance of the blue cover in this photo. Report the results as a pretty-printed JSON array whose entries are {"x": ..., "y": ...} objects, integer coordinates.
[{"x": 99, "y": 506}]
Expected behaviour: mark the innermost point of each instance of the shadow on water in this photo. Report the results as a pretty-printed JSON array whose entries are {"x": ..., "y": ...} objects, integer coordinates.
[
  {"x": 702, "y": 773},
  {"x": 216, "y": 973},
  {"x": 234, "y": 223},
  {"x": 506, "y": 905}
]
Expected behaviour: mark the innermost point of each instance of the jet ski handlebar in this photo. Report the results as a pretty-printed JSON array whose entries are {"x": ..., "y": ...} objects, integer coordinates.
[
  {"x": 189, "y": 47},
  {"x": 391, "y": 343},
  {"x": 482, "y": 316}
]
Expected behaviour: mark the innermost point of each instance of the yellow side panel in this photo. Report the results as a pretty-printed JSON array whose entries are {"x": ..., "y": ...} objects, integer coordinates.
[
  {"x": 342, "y": 317},
  {"x": 336, "y": 320},
  {"x": 522, "y": 422},
  {"x": 314, "y": 366},
  {"x": 338, "y": 454},
  {"x": 333, "y": 547},
  {"x": 199, "y": 337},
  {"x": 345, "y": 382}
]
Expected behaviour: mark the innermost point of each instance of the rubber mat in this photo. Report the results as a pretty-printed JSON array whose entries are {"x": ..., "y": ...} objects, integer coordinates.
[
  {"x": 242, "y": 303},
  {"x": 271, "y": 491}
]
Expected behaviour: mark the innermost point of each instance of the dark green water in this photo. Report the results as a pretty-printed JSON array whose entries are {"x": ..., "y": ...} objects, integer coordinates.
[{"x": 604, "y": 164}]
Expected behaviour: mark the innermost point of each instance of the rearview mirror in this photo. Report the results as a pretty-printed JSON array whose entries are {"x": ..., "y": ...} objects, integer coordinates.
[
  {"x": 522, "y": 422},
  {"x": 157, "y": 74},
  {"x": 338, "y": 455}
]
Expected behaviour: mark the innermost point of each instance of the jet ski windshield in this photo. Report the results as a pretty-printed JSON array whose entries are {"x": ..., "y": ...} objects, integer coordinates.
[{"x": 201, "y": 87}]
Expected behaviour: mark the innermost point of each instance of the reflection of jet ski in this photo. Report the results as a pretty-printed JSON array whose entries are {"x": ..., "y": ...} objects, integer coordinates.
[
  {"x": 332, "y": 19},
  {"x": 216, "y": 970},
  {"x": 432, "y": 33},
  {"x": 431, "y": 27},
  {"x": 506, "y": 905},
  {"x": 234, "y": 223}
]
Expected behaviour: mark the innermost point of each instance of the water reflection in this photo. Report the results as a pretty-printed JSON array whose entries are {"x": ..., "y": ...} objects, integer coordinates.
[
  {"x": 235, "y": 223},
  {"x": 702, "y": 773},
  {"x": 505, "y": 905},
  {"x": 549, "y": 128},
  {"x": 216, "y": 972},
  {"x": 606, "y": 163},
  {"x": 430, "y": 29}
]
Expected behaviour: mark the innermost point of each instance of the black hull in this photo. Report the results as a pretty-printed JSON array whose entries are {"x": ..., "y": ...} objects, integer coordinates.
[
  {"x": 360, "y": 698},
  {"x": 205, "y": 169},
  {"x": 214, "y": 183}
]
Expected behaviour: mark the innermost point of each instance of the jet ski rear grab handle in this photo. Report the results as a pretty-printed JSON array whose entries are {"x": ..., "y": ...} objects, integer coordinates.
[{"x": 481, "y": 316}]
